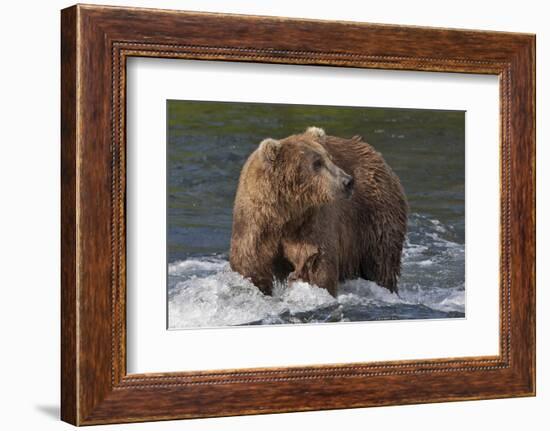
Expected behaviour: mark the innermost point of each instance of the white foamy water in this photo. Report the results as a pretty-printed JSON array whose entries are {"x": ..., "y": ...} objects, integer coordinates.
[
  {"x": 221, "y": 297},
  {"x": 204, "y": 292}
]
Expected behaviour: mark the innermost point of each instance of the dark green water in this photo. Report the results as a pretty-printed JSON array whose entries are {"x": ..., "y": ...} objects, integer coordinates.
[{"x": 208, "y": 143}]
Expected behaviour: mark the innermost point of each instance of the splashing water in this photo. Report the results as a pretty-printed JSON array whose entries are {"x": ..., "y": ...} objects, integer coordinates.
[{"x": 204, "y": 292}]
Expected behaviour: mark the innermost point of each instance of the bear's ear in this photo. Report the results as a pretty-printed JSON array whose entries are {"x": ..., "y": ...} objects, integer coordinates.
[
  {"x": 316, "y": 133},
  {"x": 269, "y": 149}
]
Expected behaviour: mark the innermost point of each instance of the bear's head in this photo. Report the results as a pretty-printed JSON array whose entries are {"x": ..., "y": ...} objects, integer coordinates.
[{"x": 301, "y": 172}]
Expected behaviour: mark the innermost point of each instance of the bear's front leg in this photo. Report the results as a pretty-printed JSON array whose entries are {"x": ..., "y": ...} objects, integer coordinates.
[
  {"x": 312, "y": 265},
  {"x": 264, "y": 284},
  {"x": 324, "y": 273}
]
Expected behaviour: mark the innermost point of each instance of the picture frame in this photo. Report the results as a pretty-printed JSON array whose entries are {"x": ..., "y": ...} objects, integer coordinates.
[{"x": 96, "y": 42}]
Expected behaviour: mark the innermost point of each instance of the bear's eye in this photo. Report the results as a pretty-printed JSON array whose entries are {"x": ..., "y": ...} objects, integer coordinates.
[{"x": 317, "y": 164}]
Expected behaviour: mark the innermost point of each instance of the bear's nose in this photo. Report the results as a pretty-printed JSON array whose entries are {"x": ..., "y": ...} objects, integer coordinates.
[{"x": 348, "y": 183}]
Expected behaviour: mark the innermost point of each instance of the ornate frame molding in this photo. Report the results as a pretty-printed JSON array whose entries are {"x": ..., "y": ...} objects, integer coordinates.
[{"x": 96, "y": 41}]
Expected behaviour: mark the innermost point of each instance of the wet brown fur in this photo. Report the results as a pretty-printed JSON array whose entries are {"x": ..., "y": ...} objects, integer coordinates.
[{"x": 293, "y": 219}]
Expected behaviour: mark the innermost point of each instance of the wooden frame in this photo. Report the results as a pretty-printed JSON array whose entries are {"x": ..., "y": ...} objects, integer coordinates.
[{"x": 95, "y": 43}]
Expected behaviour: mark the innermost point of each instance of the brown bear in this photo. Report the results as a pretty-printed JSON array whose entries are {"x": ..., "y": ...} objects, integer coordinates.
[{"x": 318, "y": 208}]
